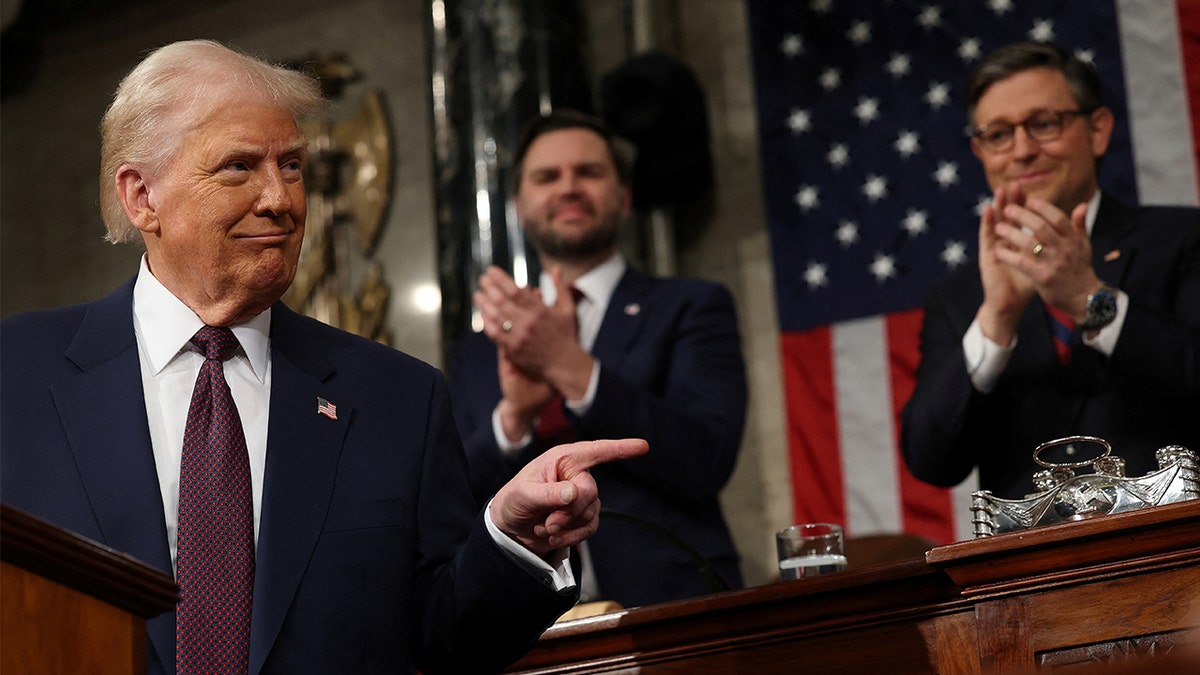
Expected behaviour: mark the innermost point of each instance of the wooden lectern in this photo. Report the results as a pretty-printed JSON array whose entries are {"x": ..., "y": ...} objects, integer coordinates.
[
  {"x": 70, "y": 605},
  {"x": 1114, "y": 595}
]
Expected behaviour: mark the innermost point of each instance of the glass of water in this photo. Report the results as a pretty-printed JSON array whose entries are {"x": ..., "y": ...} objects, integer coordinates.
[{"x": 810, "y": 550}]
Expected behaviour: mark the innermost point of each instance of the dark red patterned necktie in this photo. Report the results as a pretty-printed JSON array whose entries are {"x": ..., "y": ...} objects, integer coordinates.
[
  {"x": 552, "y": 427},
  {"x": 215, "y": 555},
  {"x": 1062, "y": 328}
]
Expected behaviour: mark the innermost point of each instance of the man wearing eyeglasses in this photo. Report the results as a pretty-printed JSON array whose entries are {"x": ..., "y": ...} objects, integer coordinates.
[{"x": 1083, "y": 317}]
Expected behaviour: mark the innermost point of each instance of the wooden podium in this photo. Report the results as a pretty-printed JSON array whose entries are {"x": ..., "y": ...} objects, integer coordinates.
[
  {"x": 1114, "y": 595},
  {"x": 70, "y": 605}
]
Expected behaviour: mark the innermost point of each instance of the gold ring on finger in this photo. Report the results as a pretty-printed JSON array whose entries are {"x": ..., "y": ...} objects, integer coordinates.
[{"x": 1037, "y": 249}]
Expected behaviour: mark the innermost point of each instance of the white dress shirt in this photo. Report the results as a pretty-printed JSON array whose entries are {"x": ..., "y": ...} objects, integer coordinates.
[
  {"x": 987, "y": 359},
  {"x": 164, "y": 327}
]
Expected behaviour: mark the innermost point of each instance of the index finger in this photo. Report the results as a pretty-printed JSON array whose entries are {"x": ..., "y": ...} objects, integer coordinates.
[
  {"x": 1055, "y": 220},
  {"x": 1016, "y": 194},
  {"x": 563, "y": 290},
  {"x": 498, "y": 279},
  {"x": 584, "y": 455},
  {"x": 1000, "y": 199}
]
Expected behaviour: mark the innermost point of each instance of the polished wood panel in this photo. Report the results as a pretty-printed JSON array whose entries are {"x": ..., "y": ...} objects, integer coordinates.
[
  {"x": 70, "y": 605},
  {"x": 50, "y": 628},
  {"x": 897, "y": 608},
  {"x": 1056, "y": 554},
  {"x": 1114, "y": 594}
]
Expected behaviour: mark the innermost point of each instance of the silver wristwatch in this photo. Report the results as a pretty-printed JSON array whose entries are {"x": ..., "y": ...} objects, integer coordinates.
[{"x": 1101, "y": 309}]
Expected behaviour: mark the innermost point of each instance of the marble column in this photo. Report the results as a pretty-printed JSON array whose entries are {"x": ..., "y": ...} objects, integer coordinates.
[{"x": 494, "y": 64}]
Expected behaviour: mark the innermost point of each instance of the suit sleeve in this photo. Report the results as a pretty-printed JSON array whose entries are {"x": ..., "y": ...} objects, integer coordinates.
[
  {"x": 935, "y": 421},
  {"x": 1159, "y": 345},
  {"x": 475, "y": 610},
  {"x": 692, "y": 412}
]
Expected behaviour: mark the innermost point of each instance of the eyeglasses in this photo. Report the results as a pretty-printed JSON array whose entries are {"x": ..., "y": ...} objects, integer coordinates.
[{"x": 1042, "y": 126}]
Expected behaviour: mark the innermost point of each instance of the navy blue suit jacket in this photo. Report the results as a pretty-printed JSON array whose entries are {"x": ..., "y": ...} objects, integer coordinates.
[
  {"x": 1145, "y": 396},
  {"x": 371, "y": 554},
  {"x": 671, "y": 372}
]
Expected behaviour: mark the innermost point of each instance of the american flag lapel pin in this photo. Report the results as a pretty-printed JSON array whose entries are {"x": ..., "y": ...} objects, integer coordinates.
[
  {"x": 632, "y": 309},
  {"x": 326, "y": 408},
  {"x": 1112, "y": 255}
]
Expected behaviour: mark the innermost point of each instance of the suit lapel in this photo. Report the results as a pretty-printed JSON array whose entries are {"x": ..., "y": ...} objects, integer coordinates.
[
  {"x": 623, "y": 317},
  {"x": 1114, "y": 222},
  {"x": 303, "y": 448},
  {"x": 104, "y": 416}
]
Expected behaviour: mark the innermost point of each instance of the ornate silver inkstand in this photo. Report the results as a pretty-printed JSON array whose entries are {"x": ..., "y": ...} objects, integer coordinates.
[{"x": 1063, "y": 497}]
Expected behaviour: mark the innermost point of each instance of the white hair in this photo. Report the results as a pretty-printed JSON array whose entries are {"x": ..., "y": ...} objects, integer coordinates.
[{"x": 174, "y": 88}]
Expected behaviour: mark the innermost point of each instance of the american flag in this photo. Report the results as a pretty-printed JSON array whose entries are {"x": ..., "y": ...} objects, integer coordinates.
[
  {"x": 872, "y": 193},
  {"x": 326, "y": 408}
]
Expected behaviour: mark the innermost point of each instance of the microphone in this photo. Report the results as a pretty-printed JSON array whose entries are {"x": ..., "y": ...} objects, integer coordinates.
[{"x": 712, "y": 578}]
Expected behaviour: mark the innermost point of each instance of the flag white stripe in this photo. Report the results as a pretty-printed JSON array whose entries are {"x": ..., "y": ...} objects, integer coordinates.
[
  {"x": 960, "y": 503},
  {"x": 865, "y": 428},
  {"x": 1159, "y": 118}
]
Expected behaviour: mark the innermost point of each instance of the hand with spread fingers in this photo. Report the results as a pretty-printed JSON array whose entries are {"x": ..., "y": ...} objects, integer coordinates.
[
  {"x": 542, "y": 342},
  {"x": 506, "y": 308},
  {"x": 553, "y": 501},
  {"x": 1050, "y": 249}
]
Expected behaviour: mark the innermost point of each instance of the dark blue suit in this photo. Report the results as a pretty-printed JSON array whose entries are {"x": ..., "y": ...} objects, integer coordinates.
[
  {"x": 371, "y": 554},
  {"x": 671, "y": 373},
  {"x": 1146, "y": 395}
]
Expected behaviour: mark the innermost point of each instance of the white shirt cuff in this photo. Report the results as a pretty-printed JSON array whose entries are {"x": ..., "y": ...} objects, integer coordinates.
[
  {"x": 580, "y": 407},
  {"x": 986, "y": 360},
  {"x": 558, "y": 576},
  {"x": 507, "y": 447},
  {"x": 584, "y": 404}
]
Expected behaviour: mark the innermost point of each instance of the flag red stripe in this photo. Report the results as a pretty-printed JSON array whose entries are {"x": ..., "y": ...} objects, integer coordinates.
[
  {"x": 816, "y": 468},
  {"x": 1189, "y": 44},
  {"x": 927, "y": 510}
]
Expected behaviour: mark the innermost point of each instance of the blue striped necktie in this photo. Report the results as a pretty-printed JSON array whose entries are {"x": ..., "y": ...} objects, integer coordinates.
[{"x": 1062, "y": 329}]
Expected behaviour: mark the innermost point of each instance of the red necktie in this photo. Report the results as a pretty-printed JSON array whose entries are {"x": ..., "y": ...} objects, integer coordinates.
[
  {"x": 215, "y": 555},
  {"x": 1062, "y": 328},
  {"x": 552, "y": 427}
]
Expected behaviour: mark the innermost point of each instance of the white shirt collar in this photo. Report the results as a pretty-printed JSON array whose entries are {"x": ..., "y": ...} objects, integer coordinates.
[
  {"x": 1093, "y": 208},
  {"x": 597, "y": 284},
  {"x": 165, "y": 326}
]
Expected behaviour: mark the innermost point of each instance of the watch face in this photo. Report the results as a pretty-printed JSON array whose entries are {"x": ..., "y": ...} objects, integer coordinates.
[{"x": 1101, "y": 309}]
